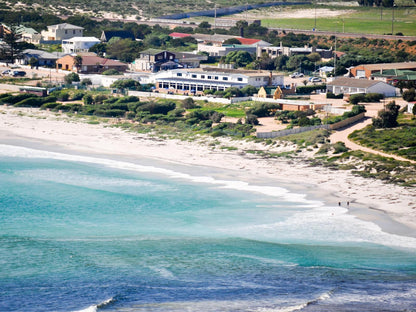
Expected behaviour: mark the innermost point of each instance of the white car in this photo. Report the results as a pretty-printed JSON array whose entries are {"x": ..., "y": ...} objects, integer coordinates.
[
  {"x": 296, "y": 75},
  {"x": 315, "y": 79}
]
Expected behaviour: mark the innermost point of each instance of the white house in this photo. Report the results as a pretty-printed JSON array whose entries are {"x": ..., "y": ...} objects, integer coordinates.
[
  {"x": 351, "y": 85},
  {"x": 199, "y": 79},
  {"x": 61, "y": 31},
  {"x": 78, "y": 44}
]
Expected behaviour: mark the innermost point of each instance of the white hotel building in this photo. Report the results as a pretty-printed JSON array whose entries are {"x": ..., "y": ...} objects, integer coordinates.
[{"x": 199, "y": 79}]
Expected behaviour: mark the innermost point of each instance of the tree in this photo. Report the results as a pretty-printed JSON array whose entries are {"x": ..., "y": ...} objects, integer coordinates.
[
  {"x": 240, "y": 25},
  {"x": 239, "y": 58},
  {"x": 387, "y": 118},
  {"x": 124, "y": 50},
  {"x": 232, "y": 41},
  {"x": 33, "y": 61},
  {"x": 71, "y": 77},
  {"x": 409, "y": 95},
  {"x": 78, "y": 62},
  {"x": 12, "y": 48},
  {"x": 99, "y": 48}
]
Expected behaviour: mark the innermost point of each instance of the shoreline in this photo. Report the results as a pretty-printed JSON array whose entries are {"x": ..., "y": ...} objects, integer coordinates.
[{"x": 391, "y": 207}]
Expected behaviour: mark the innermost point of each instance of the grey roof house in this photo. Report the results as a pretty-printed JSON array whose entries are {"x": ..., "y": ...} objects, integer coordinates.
[{"x": 352, "y": 85}]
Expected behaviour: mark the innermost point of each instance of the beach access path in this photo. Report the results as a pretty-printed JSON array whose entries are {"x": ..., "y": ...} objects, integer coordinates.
[{"x": 341, "y": 135}]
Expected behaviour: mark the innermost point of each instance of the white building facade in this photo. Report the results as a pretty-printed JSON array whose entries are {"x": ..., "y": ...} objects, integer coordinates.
[
  {"x": 61, "y": 31},
  {"x": 79, "y": 44},
  {"x": 199, "y": 79}
]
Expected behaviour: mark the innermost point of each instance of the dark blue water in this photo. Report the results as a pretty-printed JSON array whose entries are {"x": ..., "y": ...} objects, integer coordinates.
[{"x": 91, "y": 234}]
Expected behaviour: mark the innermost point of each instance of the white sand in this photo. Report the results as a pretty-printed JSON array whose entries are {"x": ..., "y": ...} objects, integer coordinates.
[{"x": 58, "y": 131}]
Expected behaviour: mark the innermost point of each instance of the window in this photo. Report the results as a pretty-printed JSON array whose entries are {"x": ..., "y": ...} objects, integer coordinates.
[
  {"x": 224, "y": 78},
  {"x": 202, "y": 76},
  {"x": 66, "y": 31},
  {"x": 240, "y": 79},
  {"x": 209, "y": 77},
  {"x": 193, "y": 76},
  {"x": 216, "y": 77},
  {"x": 73, "y": 31},
  {"x": 179, "y": 74}
]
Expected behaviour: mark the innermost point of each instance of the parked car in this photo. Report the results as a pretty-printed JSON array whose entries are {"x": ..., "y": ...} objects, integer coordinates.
[
  {"x": 315, "y": 79},
  {"x": 6, "y": 72},
  {"x": 18, "y": 73},
  {"x": 296, "y": 75}
]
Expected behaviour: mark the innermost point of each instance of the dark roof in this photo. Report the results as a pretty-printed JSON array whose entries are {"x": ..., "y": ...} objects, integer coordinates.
[
  {"x": 108, "y": 34},
  {"x": 152, "y": 51}
]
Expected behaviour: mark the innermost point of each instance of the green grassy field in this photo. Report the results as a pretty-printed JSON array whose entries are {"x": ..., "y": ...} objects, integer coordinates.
[{"x": 362, "y": 20}]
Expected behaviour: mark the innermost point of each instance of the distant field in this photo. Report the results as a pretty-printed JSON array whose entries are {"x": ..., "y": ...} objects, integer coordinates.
[
  {"x": 362, "y": 20},
  {"x": 334, "y": 18}
]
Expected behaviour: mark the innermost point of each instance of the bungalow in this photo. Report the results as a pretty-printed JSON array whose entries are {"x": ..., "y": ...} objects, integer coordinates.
[
  {"x": 43, "y": 58},
  {"x": 90, "y": 64},
  {"x": 367, "y": 70},
  {"x": 60, "y": 32},
  {"x": 351, "y": 85}
]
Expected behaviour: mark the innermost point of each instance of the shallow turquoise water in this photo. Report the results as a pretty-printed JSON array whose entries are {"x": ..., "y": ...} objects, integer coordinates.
[{"x": 82, "y": 233}]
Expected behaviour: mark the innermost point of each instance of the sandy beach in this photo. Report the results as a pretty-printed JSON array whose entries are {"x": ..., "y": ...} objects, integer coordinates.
[{"x": 392, "y": 207}]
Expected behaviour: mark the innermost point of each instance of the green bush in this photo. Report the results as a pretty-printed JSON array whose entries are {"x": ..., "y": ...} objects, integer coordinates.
[
  {"x": 157, "y": 108},
  {"x": 30, "y": 102},
  {"x": 50, "y": 105},
  {"x": 310, "y": 89},
  {"x": 330, "y": 95},
  {"x": 13, "y": 99}
]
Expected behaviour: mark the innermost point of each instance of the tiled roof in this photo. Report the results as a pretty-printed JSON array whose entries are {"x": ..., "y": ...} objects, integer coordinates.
[
  {"x": 248, "y": 41},
  {"x": 94, "y": 60},
  {"x": 179, "y": 35}
]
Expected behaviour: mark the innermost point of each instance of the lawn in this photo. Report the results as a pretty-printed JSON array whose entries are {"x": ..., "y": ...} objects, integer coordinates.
[{"x": 363, "y": 20}]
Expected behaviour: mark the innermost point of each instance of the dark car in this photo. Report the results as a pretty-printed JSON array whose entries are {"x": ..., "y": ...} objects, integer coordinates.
[{"x": 18, "y": 73}]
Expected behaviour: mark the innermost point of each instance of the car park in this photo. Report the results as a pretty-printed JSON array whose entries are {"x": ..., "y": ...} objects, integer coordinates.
[{"x": 296, "y": 75}]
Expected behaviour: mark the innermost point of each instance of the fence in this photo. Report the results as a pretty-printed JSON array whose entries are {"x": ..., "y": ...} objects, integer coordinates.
[{"x": 343, "y": 123}]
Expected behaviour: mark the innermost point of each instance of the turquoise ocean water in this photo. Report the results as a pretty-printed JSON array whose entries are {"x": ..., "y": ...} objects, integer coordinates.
[{"x": 92, "y": 234}]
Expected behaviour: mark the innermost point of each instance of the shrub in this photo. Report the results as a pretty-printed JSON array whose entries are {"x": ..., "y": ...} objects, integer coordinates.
[
  {"x": 188, "y": 103},
  {"x": 340, "y": 147},
  {"x": 111, "y": 72},
  {"x": 157, "y": 108},
  {"x": 252, "y": 119},
  {"x": 330, "y": 95},
  {"x": 30, "y": 102},
  {"x": 77, "y": 96},
  {"x": 50, "y": 105},
  {"x": 13, "y": 99}
]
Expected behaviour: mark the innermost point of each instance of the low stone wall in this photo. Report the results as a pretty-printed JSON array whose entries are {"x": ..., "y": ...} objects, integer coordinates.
[
  {"x": 343, "y": 123},
  {"x": 347, "y": 122}
]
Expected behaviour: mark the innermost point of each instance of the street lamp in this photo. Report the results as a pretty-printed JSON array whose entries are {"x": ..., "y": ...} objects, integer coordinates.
[{"x": 392, "y": 19}]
